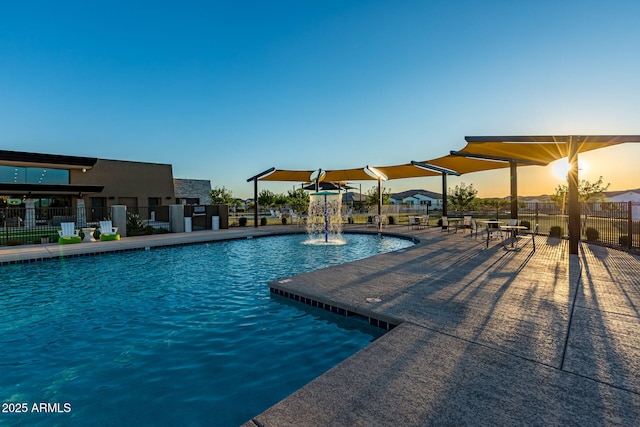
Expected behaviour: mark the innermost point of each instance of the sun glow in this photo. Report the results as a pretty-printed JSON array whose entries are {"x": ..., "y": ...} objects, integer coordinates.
[{"x": 562, "y": 167}]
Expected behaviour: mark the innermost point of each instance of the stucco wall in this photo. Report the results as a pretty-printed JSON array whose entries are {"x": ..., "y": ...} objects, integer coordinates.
[{"x": 128, "y": 180}]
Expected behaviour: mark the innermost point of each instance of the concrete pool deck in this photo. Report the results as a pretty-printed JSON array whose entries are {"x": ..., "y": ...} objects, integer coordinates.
[{"x": 484, "y": 336}]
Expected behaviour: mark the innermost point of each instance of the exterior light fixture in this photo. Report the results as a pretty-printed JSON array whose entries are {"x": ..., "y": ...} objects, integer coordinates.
[
  {"x": 375, "y": 173},
  {"x": 317, "y": 175}
]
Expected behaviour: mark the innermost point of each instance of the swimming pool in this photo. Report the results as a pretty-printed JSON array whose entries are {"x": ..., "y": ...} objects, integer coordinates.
[{"x": 183, "y": 336}]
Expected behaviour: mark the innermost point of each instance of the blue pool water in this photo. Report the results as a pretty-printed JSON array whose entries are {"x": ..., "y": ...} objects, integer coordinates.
[{"x": 171, "y": 336}]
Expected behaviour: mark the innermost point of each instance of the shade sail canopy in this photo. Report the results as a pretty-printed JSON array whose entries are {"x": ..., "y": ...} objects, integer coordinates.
[
  {"x": 539, "y": 149},
  {"x": 464, "y": 165},
  {"x": 454, "y": 163},
  {"x": 487, "y": 153},
  {"x": 288, "y": 175}
]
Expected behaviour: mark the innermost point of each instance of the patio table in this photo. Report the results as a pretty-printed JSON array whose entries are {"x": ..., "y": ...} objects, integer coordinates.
[
  {"x": 491, "y": 225},
  {"x": 513, "y": 229}
]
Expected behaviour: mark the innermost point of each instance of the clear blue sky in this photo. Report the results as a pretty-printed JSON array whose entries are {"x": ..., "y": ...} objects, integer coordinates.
[{"x": 225, "y": 90}]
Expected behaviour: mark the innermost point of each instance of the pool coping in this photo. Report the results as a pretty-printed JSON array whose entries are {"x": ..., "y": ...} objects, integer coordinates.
[{"x": 460, "y": 354}]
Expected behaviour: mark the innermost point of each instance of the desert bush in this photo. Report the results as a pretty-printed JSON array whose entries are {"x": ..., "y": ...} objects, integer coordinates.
[
  {"x": 592, "y": 234},
  {"x": 555, "y": 231}
]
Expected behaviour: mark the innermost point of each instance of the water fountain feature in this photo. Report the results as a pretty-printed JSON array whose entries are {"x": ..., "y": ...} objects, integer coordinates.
[{"x": 324, "y": 224}]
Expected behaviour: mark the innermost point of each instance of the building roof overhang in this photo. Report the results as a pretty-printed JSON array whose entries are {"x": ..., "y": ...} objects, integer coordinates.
[
  {"x": 59, "y": 189},
  {"x": 20, "y": 158}
]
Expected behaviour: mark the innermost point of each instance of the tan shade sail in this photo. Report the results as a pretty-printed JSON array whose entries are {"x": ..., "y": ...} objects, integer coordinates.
[
  {"x": 344, "y": 175},
  {"x": 542, "y": 149},
  {"x": 288, "y": 175},
  {"x": 464, "y": 165}
]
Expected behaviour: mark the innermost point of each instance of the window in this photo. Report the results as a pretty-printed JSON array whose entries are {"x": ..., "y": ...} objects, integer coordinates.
[{"x": 22, "y": 175}]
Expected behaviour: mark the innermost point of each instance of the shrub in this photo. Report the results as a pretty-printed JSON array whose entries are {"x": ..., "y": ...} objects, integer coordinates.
[
  {"x": 555, "y": 231},
  {"x": 592, "y": 234},
  {"x": 623, "y": 240},
  {"x": 284, "y": 221},
  {"x": 134, "y": 224},
  {"x": 526, "y": 223},
  {"x": 96, "y": 233},
  {"x": 243, "y": 221},
  {"x": 263, "y": 221}
]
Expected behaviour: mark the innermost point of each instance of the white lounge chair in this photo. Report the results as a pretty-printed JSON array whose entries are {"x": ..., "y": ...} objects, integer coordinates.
[
  {"x": 68, "y": 229},
  {"x": 69, "y": 233},
  {"x": 108, "y": 231},
  {"x": 107, "y": 227}
]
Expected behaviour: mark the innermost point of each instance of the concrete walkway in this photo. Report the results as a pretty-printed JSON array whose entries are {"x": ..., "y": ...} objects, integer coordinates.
[{"x": 485, "y": 336}]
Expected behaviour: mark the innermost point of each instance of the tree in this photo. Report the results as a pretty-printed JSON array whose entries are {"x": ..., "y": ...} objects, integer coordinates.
[
  {"x": 266, "y": 198},
  {"x": 280, "y": 200},
  {"x": 373, "y": 196},
  {"x": 587, "y": 192},
  {"x": 299, "y": 200},
  {"x": 497, "y": 204},
  {"x": 221, "y": 196},
  {"x": 462, "y": 196}
]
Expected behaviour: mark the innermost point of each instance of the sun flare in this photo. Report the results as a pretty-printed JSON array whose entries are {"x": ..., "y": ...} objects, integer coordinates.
[{"x": 562, "y": 167}]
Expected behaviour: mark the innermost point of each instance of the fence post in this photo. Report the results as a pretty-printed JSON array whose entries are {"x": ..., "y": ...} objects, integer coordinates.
[
  {"x": 630, "y": 224},
  {"x": 119, "y": 219}
]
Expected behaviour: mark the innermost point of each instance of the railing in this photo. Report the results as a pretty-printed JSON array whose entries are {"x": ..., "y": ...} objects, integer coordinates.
[
  {"x": 20, "y": 225},
  {"x": 615, "y": 224}
]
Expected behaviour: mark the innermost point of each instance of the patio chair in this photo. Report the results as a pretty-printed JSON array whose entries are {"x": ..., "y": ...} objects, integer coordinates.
[
  {"x": 445, "y": 224},
  {"x": 369, "y": 220},
  {"x": 466, "y": 221},
  {"x": 473, "y": 228},
  {"x": 493, "y": 231},
  {"x": 68, "y": 233},
  {"x": 531, "y": 234},
  {"x": 380, "y": 221},
  {"x": 414, "y": 222},
  {"x": 108, "y": 231}
]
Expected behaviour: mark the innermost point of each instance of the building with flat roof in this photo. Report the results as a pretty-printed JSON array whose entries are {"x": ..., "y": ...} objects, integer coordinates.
[{"x": 52, "y": 180}]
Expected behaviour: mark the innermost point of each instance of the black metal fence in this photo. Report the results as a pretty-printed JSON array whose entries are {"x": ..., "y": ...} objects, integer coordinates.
[
  {"x": 615, "y": 224},
  {"x": 20, "y": 225}
]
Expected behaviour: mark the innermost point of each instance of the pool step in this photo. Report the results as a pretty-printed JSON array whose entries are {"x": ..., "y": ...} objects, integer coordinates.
[{"x": 332, "y": 308}]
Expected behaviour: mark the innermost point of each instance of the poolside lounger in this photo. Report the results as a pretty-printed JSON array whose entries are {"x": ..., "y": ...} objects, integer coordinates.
[
  {"x": 108, "y": 231},
  {"x": 68, "y": 233}
]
